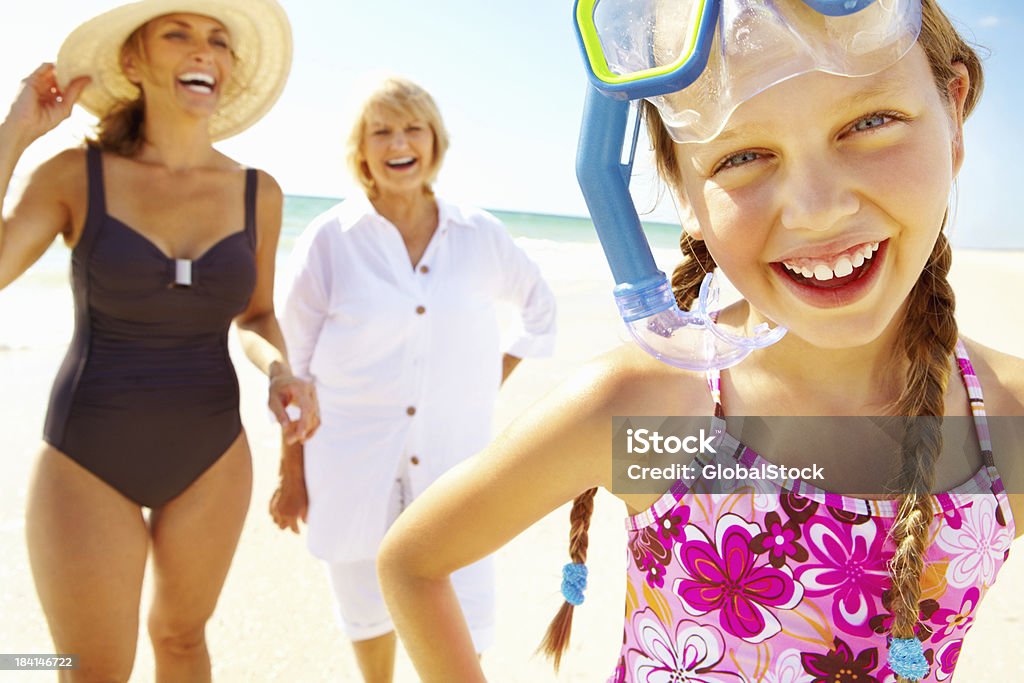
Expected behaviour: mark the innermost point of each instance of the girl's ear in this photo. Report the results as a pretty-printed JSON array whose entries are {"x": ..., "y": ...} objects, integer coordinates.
[
  {"x": 687, "y": 218},
  {"x": 956, "y": 91}
]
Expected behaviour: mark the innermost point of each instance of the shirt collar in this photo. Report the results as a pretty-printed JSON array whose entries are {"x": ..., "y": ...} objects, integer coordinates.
[{"x": 359, "y": 207}]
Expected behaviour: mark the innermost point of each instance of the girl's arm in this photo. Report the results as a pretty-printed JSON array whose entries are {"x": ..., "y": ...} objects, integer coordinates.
[
  {"x": 43, "y": 211},
  {"x": 259, "y": 331},
  {"x": 556, "y": 450}
]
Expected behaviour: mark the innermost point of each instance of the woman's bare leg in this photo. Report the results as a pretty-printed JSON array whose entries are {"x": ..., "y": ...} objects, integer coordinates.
[
  {"x": 194, "y": 538},
  {"x": 87, "y": 545},
  {"x": 376, "y": 658}
]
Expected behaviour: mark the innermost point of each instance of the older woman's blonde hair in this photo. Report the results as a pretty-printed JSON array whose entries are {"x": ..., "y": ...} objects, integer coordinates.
[{"x": 402, "y": 96}]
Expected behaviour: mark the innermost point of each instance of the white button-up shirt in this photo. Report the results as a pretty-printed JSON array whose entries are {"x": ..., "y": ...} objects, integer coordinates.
[{"x": 406, "y": 361}]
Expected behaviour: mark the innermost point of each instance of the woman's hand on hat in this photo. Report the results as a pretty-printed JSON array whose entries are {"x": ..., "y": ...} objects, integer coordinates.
[
  {"x": 41, "y": 105},
  {"x": 293, "y": 402}
]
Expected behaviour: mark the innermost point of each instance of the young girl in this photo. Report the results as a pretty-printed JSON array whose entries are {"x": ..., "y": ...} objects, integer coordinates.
[{"x": 819, "y": 178}]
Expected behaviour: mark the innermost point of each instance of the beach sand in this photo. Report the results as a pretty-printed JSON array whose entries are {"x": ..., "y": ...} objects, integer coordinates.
[{"x": 275, "y": 618}]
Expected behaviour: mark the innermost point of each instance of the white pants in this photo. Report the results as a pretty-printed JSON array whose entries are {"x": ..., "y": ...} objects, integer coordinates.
[{"x": 360, "y": 605}]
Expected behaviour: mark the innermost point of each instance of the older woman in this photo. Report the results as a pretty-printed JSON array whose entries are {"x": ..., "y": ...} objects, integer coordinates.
[
  {"x": 390, "y": 310},
  {"x": 171, "y": 241}
]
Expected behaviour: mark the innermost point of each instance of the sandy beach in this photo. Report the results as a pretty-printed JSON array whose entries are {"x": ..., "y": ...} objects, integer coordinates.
[{"x": 275, "y": 620}]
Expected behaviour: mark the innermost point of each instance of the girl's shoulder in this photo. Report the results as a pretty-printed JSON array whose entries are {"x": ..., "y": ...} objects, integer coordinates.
[
  {"x": 631, "y": 382},
  {"x": 1001, "y": 376}
]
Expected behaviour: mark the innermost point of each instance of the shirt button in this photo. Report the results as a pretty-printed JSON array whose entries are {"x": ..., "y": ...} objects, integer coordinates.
[
  {"x": 421, "y": 310},
  {"x": 414, "y": 460},
  {"x": 424, "y": 269},
  {"x": 410, "y": 411}
]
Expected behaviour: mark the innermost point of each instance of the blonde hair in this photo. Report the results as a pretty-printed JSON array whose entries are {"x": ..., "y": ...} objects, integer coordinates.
[
  {"x": 402, "y": 96},
  {"x": 928, "y": 335}
]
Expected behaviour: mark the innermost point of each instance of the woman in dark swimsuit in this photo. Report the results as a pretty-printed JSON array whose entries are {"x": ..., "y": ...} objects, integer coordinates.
[{"x": 171, "y": 242}]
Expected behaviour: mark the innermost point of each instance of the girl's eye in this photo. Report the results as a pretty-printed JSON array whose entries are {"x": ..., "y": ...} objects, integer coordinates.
[
  {"x": 176, "y": 35},
  {"x": 221, "y": 43},
  {"x": 875, "y": 121},
  {"x": 380, "y": 133},
  {"x": 737, "y": 160},
  {"x": 869, "y": 122}
]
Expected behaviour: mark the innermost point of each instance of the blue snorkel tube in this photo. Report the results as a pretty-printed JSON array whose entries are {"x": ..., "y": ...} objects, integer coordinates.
[{"x": 684, "y": 339}]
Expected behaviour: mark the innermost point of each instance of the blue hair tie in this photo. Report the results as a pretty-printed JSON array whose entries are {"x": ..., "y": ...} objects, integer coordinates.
[
  {"x": 906, "y": 658},
  {"x": 574, "y": 582}
]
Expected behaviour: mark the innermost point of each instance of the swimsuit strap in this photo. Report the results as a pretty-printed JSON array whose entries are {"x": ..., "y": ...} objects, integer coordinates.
[
  {"x": 251, "y": 181},
  {"x": 96, "y": 211},
  {"x": 977, "y": 401}
]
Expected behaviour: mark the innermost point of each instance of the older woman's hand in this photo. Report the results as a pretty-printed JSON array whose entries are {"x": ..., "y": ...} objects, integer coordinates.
[
  {"x": 289, "y": 503},
  {"x": 288, "y": 391}
]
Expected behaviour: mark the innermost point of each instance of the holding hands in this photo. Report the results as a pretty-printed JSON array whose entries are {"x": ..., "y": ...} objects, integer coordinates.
[
  {"x": 293, "y": 402},
  {"x": 294, "y": 405}
]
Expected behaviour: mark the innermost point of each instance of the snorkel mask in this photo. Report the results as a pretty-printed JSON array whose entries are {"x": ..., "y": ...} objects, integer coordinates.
[{"x": 696, "y": 61}]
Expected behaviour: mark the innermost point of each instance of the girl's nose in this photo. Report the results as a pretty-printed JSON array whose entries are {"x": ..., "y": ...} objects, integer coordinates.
[{"x": 817, "y": 195}]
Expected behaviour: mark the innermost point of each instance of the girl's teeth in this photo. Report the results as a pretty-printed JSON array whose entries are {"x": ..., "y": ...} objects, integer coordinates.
[
  {"x": 843, "y": 267},
  {"x": 822, "y": 272}
]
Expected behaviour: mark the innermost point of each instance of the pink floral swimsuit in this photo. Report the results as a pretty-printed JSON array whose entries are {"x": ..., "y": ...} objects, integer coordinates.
[{"x": 790, "y": 586}]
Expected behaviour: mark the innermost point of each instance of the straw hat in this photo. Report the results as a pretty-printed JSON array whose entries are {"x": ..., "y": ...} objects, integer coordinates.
[{"x": 260, "y": 38}]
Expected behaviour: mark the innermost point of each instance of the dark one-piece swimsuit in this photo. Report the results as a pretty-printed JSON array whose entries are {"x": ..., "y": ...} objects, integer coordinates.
[{"x": 147, "y": 397}]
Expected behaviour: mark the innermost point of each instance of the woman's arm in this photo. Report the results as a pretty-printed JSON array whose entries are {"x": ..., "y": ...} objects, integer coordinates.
[
  {"x": 259, "y": 331},
  {"x": 303, "y": 312},
  {"x": 553, "y": 452},
  {"x": 508, "y": 364},
  {"x": 43, "y": 211},
  {"x": 290, "y": 502},
  {"x": 524, "y": 287}
]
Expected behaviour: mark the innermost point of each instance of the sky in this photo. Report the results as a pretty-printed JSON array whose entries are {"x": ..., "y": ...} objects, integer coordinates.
[{"x": 509, "y": 81}]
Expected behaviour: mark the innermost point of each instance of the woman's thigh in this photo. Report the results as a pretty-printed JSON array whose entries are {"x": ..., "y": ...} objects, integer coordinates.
[
  {"x": 87, "y": 545},
  {"x": 194, "y": 539}
]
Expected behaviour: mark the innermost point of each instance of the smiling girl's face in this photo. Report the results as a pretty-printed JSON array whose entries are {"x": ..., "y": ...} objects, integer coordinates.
[{"x": 823, "y": 196}]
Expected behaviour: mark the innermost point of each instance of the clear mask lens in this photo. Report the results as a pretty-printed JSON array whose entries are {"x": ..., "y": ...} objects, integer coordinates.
[
  {"x": 759, "y": 43},
  {"x": 629, "y": 29}
]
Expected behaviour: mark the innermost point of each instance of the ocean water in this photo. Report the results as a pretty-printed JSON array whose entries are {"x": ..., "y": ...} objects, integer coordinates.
[
  {"x": 299, "y": 211},
  {"x": 36, "y": 311}
]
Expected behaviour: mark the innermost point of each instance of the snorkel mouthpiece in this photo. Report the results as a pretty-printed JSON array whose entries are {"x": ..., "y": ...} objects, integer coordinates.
[{"x": 691, "y": 340}]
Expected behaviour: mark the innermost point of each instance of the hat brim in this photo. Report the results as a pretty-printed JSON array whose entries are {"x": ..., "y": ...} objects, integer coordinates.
[{"x": 260, "y": 38}]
